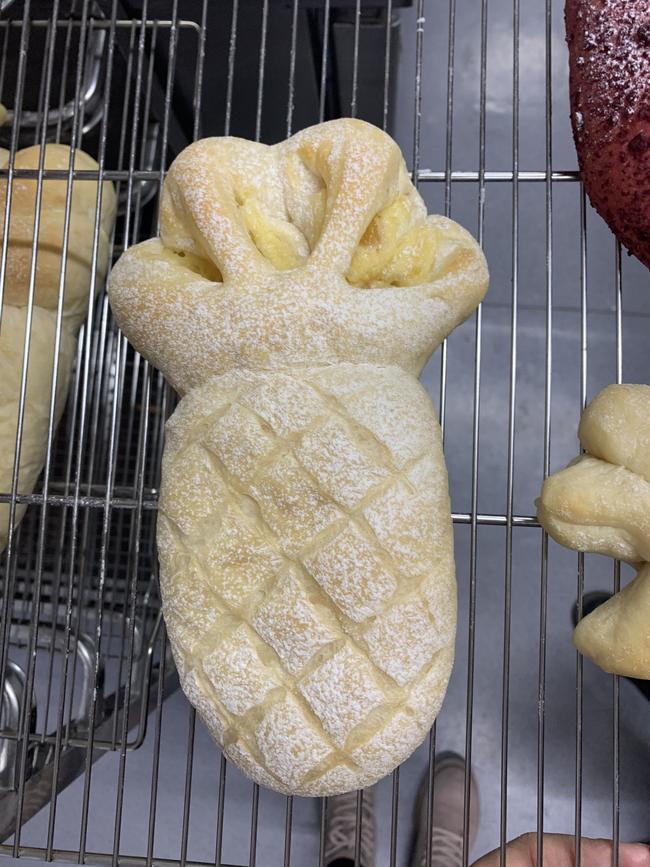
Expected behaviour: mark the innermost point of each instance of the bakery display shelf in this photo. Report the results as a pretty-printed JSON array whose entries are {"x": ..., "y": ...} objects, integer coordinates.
[{"x": 86, "y": 676}]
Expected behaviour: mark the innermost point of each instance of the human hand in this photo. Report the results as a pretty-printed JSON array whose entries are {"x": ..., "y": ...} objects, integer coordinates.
[{"x": 559, "y": 851}]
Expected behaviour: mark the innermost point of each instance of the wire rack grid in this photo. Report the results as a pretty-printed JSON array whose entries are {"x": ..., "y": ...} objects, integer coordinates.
[
  {"x": 85, "y": 670},
  {"x": 80, "y": 612}
]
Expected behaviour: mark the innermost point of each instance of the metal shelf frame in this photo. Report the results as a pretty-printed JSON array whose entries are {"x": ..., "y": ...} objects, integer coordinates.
[{"x": 81, "y": 568}]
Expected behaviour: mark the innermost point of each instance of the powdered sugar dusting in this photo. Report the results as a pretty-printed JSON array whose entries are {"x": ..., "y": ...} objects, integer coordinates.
[
  {"x": 294, "y": 293},
  {"x": 342, "y": 692},
  {"x": 264, "y": 282}
]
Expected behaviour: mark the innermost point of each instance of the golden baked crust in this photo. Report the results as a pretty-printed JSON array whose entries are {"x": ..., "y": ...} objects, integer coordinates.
[
  {"x": 304, "y": 534},
  {"x": 601, "y": 503},
  {"x": 51, "y": 232}
]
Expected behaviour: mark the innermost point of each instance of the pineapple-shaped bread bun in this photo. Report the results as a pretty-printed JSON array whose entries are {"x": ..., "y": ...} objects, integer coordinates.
[{"x": 304, "y": 532}]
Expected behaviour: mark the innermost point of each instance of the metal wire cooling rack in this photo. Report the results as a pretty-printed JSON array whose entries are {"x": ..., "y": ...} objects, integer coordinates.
[
  {"x": 82, "y": 646},
  {"x": 87, "y": 736}
]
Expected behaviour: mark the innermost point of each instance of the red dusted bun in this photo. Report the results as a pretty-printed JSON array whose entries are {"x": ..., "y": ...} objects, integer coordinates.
[{"x": 609, "y": 61}]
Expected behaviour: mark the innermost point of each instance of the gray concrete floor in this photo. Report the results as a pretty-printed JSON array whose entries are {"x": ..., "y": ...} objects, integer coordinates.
[{"x": 520, "y": 794}]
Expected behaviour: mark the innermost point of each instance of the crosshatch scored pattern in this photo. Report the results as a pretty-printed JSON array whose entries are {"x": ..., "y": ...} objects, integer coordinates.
[{"x": 365, "y": 522}]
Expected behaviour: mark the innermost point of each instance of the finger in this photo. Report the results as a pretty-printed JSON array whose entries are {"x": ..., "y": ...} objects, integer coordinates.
[{"x": 560, "y": 851}]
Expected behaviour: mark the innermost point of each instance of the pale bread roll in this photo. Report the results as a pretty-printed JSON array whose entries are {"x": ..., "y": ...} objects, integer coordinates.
[
  {"x": 41, "y": 338},
  {"x": 594, "y": 505},
  {"x": 616, "y": 635},
  {"x": 601, "y": 503},
  {"x": 615, "y": 426},
  {"x": 304, "y": 533},
  {"x": 51, "y": 232},
  {"x": 37, "y": 398}
]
